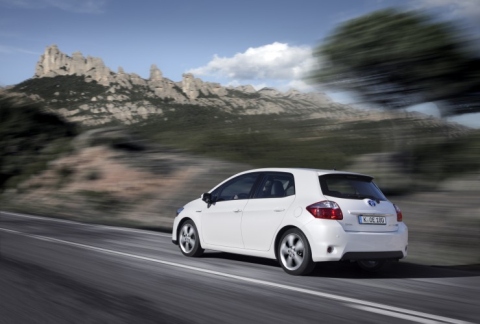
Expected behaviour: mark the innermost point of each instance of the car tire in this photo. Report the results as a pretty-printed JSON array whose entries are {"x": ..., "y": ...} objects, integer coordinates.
[
  {"x": 189, "y": 240},
  {"x": 294, "y": 254},
  {"x": 371, "y": 265}
]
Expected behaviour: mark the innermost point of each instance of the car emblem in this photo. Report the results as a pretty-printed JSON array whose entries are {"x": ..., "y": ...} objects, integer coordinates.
[{"x": 372, "y": 203}]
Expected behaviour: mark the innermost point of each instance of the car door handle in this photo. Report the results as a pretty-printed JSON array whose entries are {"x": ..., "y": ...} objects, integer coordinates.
[
  {"x": 237, "y": 210},
  {"x": 279, "y": 210}
]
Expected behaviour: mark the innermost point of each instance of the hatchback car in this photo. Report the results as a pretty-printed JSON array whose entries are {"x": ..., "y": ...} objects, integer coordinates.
[{"x": 297, "y": 216}]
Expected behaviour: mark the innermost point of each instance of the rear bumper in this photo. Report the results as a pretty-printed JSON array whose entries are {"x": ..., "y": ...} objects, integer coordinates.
[
  {"x": 329, "y": 242},
  {"x": 392, "y": 255}
]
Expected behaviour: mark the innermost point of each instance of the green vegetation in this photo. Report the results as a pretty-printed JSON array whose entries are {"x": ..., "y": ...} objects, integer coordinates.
[
  {"x": 103, "y": 201},
  {"x": 285, "y": 141},
  {"x": 93, "y": 174},
  {"x": 257, "y": 140},
  {"x": 243, "y": 95},
  {"x": 29, "y": 139},
  {"x": 207, "y": 96},
  {"x": 446, "y": 158},
  {"x": 59, "y": 90}
]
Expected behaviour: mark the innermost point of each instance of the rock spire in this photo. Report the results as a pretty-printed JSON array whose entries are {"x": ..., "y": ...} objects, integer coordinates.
[{"x": 53, "y": 63}]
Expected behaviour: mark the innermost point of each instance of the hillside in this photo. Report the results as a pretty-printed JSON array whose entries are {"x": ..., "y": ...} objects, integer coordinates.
[
  {"x": 86, "y": 91},
  {"x": 112, "y": 176},
  {"x": 264, "y": 127}
]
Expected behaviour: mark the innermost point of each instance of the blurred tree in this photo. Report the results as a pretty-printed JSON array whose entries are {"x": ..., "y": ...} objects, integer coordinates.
[
  {"x": 29, "y": 138},
  {"x": 396, "y": 59}
]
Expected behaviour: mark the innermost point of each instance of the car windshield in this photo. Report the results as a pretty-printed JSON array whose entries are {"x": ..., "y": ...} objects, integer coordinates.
[{"x": 350, "y": 187}]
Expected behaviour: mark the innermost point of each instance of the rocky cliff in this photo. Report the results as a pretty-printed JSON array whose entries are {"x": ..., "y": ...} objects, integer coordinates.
[
  {"x": 55, "y": 63},
  {"x": 85, "y": 90},
  {"x": 128, "y": 98}
]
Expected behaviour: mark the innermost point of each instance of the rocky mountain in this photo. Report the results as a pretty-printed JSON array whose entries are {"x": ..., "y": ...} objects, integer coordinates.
[
  {"x": 85, "y": 90},
  {"x": 55, "y": 63}
]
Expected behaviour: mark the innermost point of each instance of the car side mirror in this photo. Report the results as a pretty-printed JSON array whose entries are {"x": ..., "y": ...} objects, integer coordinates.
[{"x": 207, "y": 197}]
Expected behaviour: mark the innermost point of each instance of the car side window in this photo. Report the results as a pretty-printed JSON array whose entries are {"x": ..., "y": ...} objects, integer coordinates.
[
  {"x": 276, "y": 185},
  {"x": 238, "y": 188}
]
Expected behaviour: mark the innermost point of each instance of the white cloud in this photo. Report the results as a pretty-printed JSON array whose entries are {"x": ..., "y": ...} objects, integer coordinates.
[
  {"x": 277, "y": 61},
  {"x": 456, "y": 8},
  {"x": 78, "y": 6},
  {"x": 301, "y": 85}
]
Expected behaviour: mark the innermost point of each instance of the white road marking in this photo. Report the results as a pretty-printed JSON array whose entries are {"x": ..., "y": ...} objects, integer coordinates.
[
  {"x": 357, "y": 303},
  {"x": 397, "y": 315},
  {"x": 47, "y": 219}
]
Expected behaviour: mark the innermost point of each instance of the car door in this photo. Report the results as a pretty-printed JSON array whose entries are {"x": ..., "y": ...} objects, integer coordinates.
[
  {"x": 221, "y": 221},
  {"x": 264, "y": 213}
]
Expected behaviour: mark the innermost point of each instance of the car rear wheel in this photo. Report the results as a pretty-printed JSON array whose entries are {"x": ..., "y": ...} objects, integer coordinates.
[
  {"x": 371, "y": 265},
  {"x": 294, "y": 253},
  {"x": 189, "y": 241}
]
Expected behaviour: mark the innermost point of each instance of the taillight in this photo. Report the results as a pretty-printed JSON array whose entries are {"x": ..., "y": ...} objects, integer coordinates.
[
  {"x": 399, "y": 213},
  {"x": 326, "y": 209}
]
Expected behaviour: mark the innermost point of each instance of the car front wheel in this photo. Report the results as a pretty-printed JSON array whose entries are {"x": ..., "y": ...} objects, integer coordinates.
[
  {"x": 294, "y": 253},
  {"x": 189, "y": 241}
]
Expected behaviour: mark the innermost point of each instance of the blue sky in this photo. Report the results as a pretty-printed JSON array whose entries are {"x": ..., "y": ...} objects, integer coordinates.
[{"x": 234, "y": 42}]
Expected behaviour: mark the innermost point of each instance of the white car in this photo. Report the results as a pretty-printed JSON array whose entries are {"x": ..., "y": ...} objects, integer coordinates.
[{"x": 297, "y": 216}]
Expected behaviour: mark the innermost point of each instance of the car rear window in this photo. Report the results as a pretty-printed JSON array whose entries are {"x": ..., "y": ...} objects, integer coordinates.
[{"x": 350, "y": 186}]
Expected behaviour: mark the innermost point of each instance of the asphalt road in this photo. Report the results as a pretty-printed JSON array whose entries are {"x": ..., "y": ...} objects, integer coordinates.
[{"x": 54, "y": 271}]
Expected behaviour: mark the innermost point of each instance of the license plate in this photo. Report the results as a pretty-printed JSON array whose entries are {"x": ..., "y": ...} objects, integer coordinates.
[{"x": 375, "y": 220}]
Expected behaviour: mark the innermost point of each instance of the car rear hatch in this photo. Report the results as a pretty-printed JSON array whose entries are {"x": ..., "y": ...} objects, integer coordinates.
[{"x": 364, "y": 207}]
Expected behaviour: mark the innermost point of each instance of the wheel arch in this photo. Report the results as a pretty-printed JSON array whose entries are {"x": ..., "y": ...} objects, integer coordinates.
[{"x": 180, "y": 224}]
